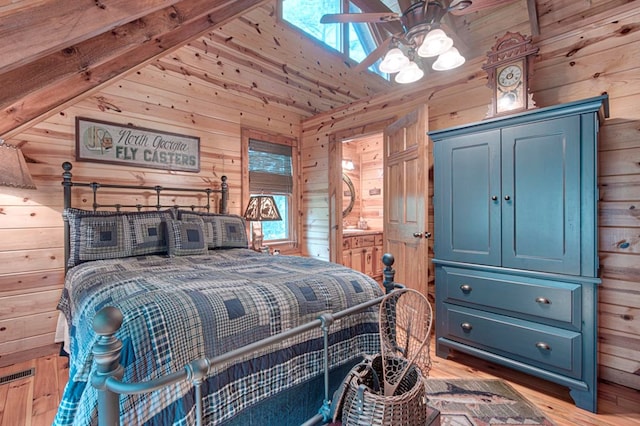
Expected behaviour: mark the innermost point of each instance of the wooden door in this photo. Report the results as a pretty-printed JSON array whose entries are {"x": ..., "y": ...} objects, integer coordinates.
[{"x": 406, "y": 175}]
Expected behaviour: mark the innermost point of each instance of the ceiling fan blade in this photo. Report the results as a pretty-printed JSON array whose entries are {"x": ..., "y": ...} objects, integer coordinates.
[
  {"x": 374, "y": 55},
  {"x": 476, "y": 5},
  {"x": 340, "y": 18}
]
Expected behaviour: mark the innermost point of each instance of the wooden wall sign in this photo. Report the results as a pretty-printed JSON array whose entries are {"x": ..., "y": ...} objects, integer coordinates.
[{"x": 103, "y": 142}]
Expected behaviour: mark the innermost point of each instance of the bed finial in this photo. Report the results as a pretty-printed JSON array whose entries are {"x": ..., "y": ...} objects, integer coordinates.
[
  {"x": 224, "y": 198},
  {"x": 388, "y": 272},
  {"x": 106, "y": 354}
]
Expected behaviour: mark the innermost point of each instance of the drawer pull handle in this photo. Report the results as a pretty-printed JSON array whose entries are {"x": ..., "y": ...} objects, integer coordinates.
[
  {"x": 466, "y": 288},
  {"x": 543, "y": 346},
  {"x": 466, "y": 326},
  {"x": 543, "y": 300}
]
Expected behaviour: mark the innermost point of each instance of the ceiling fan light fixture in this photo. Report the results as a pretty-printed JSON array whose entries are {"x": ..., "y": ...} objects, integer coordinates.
[
  {"x": 448, "y": 60},
  {"x": 435, "y": 43},
  {"x": 394, "y": 61},
  {"x": 409, "y": 74}
]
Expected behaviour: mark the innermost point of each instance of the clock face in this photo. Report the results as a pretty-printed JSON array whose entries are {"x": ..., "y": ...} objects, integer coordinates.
[
  {"x": 510, "y": 89},
  {"x": 510, "y": 76}
]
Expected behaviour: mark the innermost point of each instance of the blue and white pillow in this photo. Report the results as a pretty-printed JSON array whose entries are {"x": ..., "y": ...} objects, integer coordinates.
[
  {"x": 97, "y": 236},
  {"x": 148, "y": 232},
  {"x": 221, "y": 230},
  {"x": 186, "y": 238}
]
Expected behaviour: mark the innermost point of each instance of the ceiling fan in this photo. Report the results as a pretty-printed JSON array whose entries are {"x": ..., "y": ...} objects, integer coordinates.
[{"x": 420, "y": 34}]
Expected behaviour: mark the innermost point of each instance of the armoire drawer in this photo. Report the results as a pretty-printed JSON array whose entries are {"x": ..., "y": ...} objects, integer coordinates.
[
  {"x": 551, "y": 348},
  {"x": 539, "y": 298}
]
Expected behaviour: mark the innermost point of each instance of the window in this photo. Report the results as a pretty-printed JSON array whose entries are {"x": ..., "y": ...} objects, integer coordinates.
[
  {"x": 354, "y": 40},
  {"x": 271, "y": 171}
]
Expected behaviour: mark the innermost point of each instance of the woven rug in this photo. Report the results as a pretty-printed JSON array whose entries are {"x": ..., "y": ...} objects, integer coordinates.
[{"x": 463, "y": 402}]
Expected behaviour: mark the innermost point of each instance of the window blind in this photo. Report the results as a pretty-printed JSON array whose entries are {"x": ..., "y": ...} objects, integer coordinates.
[{"x": 270, "y": 168}]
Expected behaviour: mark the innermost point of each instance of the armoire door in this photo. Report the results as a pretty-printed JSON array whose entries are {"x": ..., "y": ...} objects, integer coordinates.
[
  {"x": 541, "y": 196},
  {"x": 467, "y": 209}
]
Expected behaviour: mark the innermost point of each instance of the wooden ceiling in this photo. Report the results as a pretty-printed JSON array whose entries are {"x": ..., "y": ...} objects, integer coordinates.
[{"x": 54, "y": 51}]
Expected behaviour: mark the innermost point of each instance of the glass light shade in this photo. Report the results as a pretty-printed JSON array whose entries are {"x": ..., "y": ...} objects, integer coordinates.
[
  {"x": 13, "y": 168},
  {"x": 448, "y": 60},
  {"x": 435, "y": 43},
  {"x": 394, "y": 61},
  {"x": 409, "y": 74}
]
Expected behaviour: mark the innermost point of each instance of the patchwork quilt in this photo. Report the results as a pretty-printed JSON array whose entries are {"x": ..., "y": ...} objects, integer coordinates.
[{"x": 179, "y": 309}]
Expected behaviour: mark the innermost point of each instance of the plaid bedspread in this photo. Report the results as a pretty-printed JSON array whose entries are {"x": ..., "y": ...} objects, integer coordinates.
[{"x": 180, "y": 309}]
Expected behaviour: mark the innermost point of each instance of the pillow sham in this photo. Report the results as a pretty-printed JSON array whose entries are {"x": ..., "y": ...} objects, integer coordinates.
[
  {"x": 186, "y": 238},
  {"x": 211, "y": 234},
  {"x": 97, "y": 235},
  {"x": 145, "y": 233},
  {"x": 148, "y": 231},
  {"x": 233, "y": 232},
  {"x": 221, "y": 230}
]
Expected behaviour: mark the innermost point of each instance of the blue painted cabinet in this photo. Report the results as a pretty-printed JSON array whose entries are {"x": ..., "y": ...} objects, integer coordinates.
[{"x": 515, "y": 208}]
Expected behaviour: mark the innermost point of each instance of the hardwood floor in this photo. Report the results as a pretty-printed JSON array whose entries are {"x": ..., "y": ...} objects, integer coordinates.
[{"x": 34, "y": 400}]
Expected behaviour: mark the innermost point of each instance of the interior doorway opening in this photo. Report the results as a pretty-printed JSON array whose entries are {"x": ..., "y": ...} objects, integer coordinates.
[
  {"x": 362, "y": 195},
  {"x": 363, "y": 183}
]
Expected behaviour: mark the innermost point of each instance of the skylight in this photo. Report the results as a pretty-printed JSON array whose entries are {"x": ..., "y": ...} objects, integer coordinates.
[{"x": 354, "y": 40}]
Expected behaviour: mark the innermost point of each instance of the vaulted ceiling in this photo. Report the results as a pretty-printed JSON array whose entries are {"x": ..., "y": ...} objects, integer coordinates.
[{"x": 54, "y": 51}]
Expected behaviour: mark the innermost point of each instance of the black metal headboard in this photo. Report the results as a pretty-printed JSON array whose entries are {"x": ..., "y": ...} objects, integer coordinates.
[{"x": 68, "y": 184}]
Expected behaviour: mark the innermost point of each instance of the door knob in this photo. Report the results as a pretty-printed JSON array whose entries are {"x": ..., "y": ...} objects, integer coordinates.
[
  {"x": 427, "y": 234},
  {"x": 494, "y": 197},
  {"x": 506, "y": 197}
]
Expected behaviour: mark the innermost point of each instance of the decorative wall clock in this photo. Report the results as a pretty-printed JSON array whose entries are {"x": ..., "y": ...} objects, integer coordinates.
[{"x": 509, "y": 67}]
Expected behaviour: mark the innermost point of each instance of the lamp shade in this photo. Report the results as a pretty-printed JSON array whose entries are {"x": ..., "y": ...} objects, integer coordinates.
[
  {"x": 13, "y": 168},
  {"x": 393, "y": 61},
  {"x": 262, "y": 208},
  {"x": 409, "y": 74},
  {"x": 435, "y": 43},
  {"x": 448, "y": 60}
]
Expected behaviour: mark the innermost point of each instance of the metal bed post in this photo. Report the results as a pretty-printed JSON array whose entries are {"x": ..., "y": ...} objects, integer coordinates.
[
  {"x": 66, "y": 187},
  {"x": 224, "y": 199},
  {"x": 106, "y": 354},
  {"x": 389, "y": 273}
]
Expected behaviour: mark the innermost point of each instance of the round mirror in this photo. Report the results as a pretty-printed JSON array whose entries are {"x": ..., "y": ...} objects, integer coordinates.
[{"x": 348, "y": 195}]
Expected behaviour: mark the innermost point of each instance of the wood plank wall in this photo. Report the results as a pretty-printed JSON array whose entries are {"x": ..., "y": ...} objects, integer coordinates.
[
  {"x": 31, "y": 251},
  {"x": 580, "y": 57}
]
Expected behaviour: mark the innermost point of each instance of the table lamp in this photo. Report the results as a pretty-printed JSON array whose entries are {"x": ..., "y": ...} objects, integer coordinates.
[{"x": 261, "y": 208}]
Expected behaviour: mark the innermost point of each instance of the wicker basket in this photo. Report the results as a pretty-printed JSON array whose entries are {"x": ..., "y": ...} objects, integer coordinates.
[{"x": 361, "y": 402}]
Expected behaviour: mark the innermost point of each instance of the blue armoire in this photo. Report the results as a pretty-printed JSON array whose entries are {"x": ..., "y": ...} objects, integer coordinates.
[{"x": 516, "y": 261}]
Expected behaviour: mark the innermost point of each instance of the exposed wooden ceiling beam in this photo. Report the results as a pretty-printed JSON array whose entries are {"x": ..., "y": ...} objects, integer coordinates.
[
  {"x": 64, "y": 22},
  {"x": 42, "y": 83},
  {"x": 533, "y": 17},
  {"x": 480, "y": 5}
]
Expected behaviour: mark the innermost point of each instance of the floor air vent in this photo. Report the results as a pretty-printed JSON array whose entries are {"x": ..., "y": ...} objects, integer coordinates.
[{"x": 17, "y": 376}]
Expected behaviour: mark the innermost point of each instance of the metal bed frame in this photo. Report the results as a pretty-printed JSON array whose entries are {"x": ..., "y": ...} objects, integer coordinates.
[
  {"x": 108, "y": 375},
  {"x": 109, "y": 372}
]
